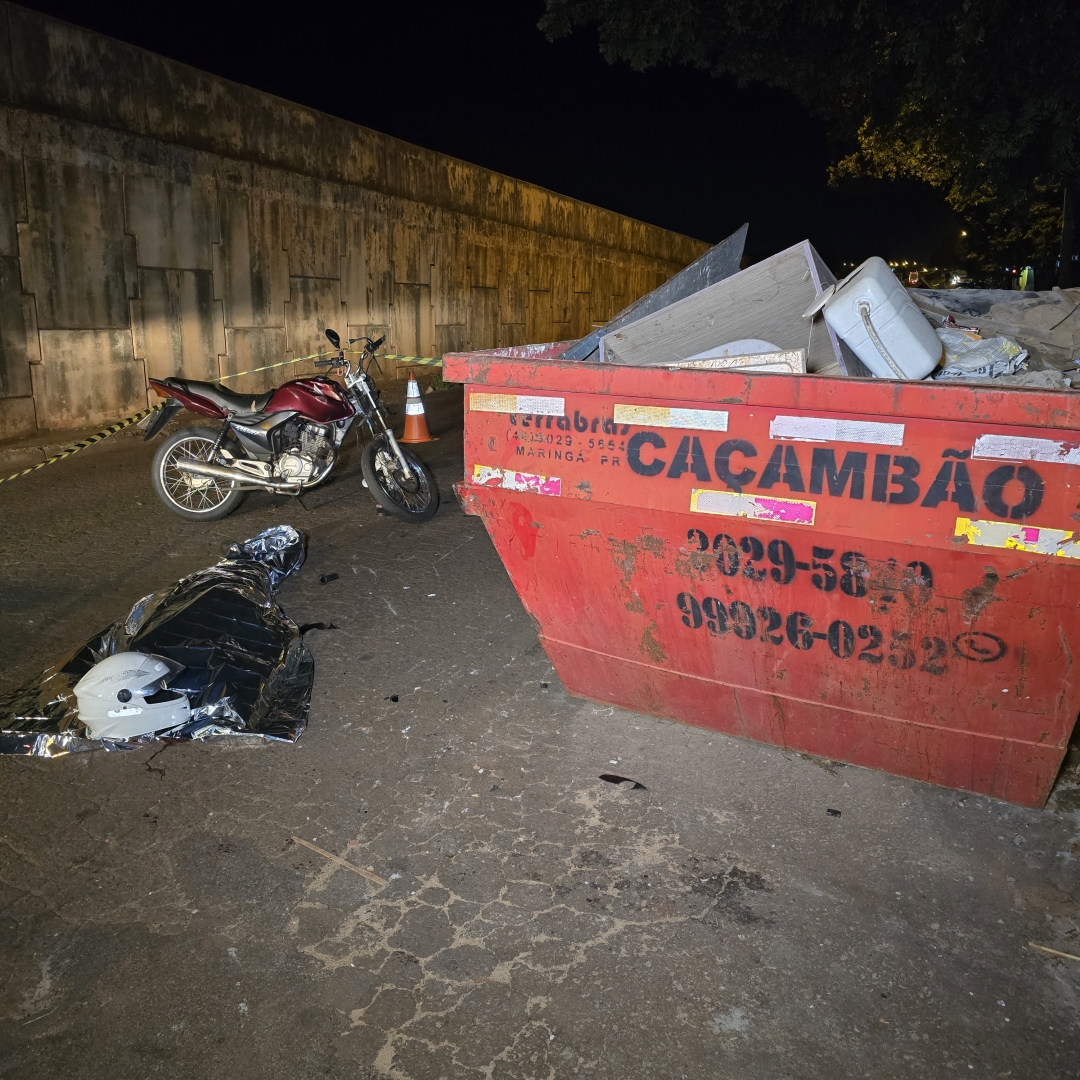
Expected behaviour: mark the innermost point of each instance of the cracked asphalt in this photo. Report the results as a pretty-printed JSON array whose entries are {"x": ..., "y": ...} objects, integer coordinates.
[{"x": 539, "y": 922}]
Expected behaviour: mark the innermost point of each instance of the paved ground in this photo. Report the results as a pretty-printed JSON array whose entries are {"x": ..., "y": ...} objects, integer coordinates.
[{"x": 539, "y": 922}]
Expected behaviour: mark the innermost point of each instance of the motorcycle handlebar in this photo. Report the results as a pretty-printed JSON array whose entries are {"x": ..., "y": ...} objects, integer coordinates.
[{"x": 372, "y": 345}]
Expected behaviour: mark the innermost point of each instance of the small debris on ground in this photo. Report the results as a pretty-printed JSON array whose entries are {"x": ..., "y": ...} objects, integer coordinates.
[
  {"x": 1053, "y": 952},
  {"x": 611, "y": 778},
  {"x": 380, "y": 881}
]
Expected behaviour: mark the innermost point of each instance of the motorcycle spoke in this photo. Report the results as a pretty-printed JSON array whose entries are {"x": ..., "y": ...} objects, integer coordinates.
[{"x": 194, "y": 493}]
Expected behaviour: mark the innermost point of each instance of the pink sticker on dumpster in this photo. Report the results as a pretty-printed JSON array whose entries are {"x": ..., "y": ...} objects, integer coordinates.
[
  {"x": 511, "y": 480},
  {"x": 760, "y": 507}
]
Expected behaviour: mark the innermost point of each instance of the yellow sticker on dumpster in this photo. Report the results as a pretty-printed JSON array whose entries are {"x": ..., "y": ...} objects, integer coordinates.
[
  {"x": 660, "y": 416},
  {"x": 530, "y": 404},
  {"x": 1007, "y": 534}
]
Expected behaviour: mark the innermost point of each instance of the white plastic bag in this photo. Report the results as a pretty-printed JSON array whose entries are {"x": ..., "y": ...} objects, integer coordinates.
[{"x": 978, "y": 358}]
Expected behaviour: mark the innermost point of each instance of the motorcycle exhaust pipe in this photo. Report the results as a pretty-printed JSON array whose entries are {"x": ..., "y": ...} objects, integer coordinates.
[{"x": 203, "y": 468}]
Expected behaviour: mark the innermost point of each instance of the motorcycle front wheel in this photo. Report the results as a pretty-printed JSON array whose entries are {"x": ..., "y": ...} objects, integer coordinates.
[
  {"x": 409, "y": 497},
  {"x": 196, "y": 498}
]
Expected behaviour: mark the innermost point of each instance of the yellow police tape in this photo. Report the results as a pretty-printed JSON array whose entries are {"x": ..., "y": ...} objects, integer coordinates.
[
  {"x": 429, "y": 360},
  {"x": 120, "y": 425},
  {"x": 103, "y": 434},
  {"x": 422, "y": 360},
  {"x": 270, "y": 367}
]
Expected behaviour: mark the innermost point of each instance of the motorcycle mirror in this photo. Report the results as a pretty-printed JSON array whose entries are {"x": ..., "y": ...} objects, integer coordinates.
[{"x": 332, "y": 337}]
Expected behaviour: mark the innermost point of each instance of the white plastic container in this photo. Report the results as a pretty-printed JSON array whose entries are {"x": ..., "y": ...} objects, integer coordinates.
[{"x": 873, "y": 314}]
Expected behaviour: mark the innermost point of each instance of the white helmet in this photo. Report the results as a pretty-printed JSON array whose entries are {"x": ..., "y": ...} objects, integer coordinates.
[{"x": 124, "y": 696}]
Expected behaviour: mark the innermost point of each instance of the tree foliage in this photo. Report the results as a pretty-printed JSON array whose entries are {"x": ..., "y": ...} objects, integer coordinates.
[{"x": 979, "y": 99}]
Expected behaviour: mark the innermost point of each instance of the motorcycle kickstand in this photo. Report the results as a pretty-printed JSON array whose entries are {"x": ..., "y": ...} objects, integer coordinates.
[{"x": 299, "y": 498}]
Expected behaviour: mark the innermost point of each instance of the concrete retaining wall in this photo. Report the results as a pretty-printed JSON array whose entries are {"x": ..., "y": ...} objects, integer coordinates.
[{"x": 156, "y": 220}]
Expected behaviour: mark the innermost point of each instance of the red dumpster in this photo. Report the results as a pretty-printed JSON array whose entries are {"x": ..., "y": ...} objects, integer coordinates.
[{"x": 878, "y": 572}]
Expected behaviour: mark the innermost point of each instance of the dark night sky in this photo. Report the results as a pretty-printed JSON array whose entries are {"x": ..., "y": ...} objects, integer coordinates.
[{"x": 477, "y": 80}]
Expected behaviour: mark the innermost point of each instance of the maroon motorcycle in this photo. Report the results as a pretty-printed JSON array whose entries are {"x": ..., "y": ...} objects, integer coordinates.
[{"x": 286, "y": 440}]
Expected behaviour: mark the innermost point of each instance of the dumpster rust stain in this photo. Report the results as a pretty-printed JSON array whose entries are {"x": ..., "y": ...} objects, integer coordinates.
[
  {"x": 1066, "y": 650},
  {"x": 624, "y": 553},
  {"x": 694, "y": 565},
  {"x": 654, "y": 545},
  {"x": 888, "y": 582},
  {"x": 1021, "y": 682},
  {"x": 887, "y": 577},
  {"x": 979, "y": 597},
  {"x": 624, "y": 556},
  {"x": 650, "y": 646},
  {"x": 739, "y": 712}
]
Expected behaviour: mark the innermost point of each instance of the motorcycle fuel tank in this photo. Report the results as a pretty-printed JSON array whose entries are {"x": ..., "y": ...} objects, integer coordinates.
[{"x": 317, "y": 398}]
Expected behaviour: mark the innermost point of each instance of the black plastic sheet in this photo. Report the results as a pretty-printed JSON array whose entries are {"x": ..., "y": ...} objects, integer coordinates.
[{"x": 246, "y": 670}]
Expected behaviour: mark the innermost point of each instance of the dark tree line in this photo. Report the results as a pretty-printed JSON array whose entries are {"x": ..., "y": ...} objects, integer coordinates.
[{"x": 979, "y": 99}]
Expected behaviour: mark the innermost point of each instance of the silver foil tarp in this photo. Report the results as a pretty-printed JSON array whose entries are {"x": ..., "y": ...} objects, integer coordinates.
[{"x": 246, "y": 668}]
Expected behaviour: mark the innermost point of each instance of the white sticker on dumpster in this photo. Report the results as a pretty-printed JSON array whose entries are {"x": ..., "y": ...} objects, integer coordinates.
[
  {"x": 1018, "y": 448},
  {"x": 660, "y": 416},
  {"x": 1007, "y": 534},
  {"x": 530, "y": 404},
  {"x": 760, "y": 507},
  {"x": 511, "y": 480},
  {"x": 823, "y": 429}
]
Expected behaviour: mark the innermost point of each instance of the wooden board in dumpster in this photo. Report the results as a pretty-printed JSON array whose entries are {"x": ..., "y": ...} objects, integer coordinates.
[{"x": 881, "y": 573}]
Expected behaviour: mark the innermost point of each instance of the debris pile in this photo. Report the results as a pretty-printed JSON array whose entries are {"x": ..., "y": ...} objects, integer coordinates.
[
  {"x": 788, "y": 314},
  {"x": 750, "y": 321}
]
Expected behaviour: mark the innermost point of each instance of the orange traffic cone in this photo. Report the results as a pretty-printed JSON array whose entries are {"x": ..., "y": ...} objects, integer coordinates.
[{"x": 416, "y": 429}]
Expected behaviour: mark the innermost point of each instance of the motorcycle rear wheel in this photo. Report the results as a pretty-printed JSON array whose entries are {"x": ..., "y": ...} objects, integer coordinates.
[
  {"x": 414, "y": 498},
  {"x": 195, "y": 498}
]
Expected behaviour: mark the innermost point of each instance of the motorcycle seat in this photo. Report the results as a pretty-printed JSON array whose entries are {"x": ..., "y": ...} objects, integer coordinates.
[{"x": 229, "y": 400}]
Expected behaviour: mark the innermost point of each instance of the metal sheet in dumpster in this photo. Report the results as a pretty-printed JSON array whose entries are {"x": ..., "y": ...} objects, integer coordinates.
[{"x": 877, "y": 572}]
